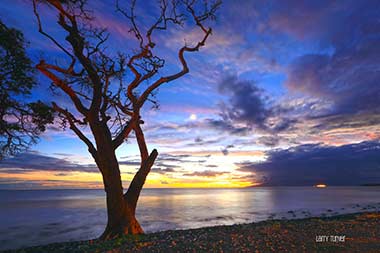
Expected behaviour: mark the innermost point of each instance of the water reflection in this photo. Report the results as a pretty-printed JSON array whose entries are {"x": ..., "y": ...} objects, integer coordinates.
[{"x": 41, "y": 217}]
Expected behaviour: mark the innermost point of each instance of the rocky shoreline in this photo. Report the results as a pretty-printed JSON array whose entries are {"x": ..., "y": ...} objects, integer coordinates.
[{"x": 359, "y": 232}]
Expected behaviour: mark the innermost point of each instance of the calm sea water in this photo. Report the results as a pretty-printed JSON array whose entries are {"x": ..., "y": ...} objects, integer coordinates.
[{"x": 44, "y": 216}]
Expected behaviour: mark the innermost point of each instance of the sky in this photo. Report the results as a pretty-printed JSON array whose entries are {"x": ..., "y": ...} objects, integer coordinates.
[{"x": 284, "y": 93}]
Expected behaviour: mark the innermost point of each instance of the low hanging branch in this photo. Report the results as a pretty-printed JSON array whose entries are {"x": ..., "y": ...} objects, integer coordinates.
[{"x": 94, "y": 82}]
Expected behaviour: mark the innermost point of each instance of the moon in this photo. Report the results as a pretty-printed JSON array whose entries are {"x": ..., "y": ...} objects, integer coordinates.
[{"x": 193, "y": 117}]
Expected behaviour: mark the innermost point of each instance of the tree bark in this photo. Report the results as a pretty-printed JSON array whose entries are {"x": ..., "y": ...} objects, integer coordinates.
[
  {"x": 121, "y": 219},
  {"x": 121, "y": 209},
  {"x": 137, "y": 183},
  {"x": 120, "y": 216}
]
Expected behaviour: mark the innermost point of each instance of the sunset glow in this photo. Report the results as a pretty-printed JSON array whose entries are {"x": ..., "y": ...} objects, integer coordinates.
[{"x": 272, "y": 102}]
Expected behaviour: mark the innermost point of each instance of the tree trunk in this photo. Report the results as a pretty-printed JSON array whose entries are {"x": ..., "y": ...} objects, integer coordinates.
[
  {"x": 121, "y": 208},
  {"x": 121, "y": 220},
  {"x": 120, "y": 215}
]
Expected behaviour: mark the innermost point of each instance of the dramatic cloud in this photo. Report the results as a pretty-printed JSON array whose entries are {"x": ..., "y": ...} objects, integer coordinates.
[
  {"x": 352, "y": 164},
  {"x": 248, "y": 104},
  {"x": 351, "y": 88},
  {"x": 346, "y": 75},
  {"x": 35, "y": 161},
  {"x": 274, "y": 74}
]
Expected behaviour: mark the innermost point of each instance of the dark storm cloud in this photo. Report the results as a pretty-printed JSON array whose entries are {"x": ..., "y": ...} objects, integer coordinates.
[
  {"x": 246, "y": 101},
  {"x": 35, "y": 161},
  {"x": 249, "y": 105},
  {"x": 352, "y": 164}
]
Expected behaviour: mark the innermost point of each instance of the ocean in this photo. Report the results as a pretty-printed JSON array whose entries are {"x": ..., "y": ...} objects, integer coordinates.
[{"x": 34, "y": 217}]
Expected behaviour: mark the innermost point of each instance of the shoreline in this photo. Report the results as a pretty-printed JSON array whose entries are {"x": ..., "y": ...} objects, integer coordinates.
[
  {"x": 345, "y": 233},
  {"x": 45, "y": 218}
]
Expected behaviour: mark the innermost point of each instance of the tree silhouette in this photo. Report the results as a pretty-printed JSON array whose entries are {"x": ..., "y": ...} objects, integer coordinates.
[
  {"x": 20, "y": 122},
  {"x": 108, "y": 91}
]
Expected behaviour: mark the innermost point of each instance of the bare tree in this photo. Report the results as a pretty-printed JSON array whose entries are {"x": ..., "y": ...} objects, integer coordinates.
[{"x": 104, "y": 101}]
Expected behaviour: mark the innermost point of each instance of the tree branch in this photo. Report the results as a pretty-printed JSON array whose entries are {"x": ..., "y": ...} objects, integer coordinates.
[
  {"x": 77, "y": 42},
  {"x": 119, "y": 139},
  {"x": 207, "y": 32},
  {"x": 185, "y": 69},
  {"x": 137, "y": 183},
  {"x": 43, "y": 68},
  {"x": 141, "y": 142},
  {"x": 40, "y": 30},
  {"x": 72, "y": 120}
]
